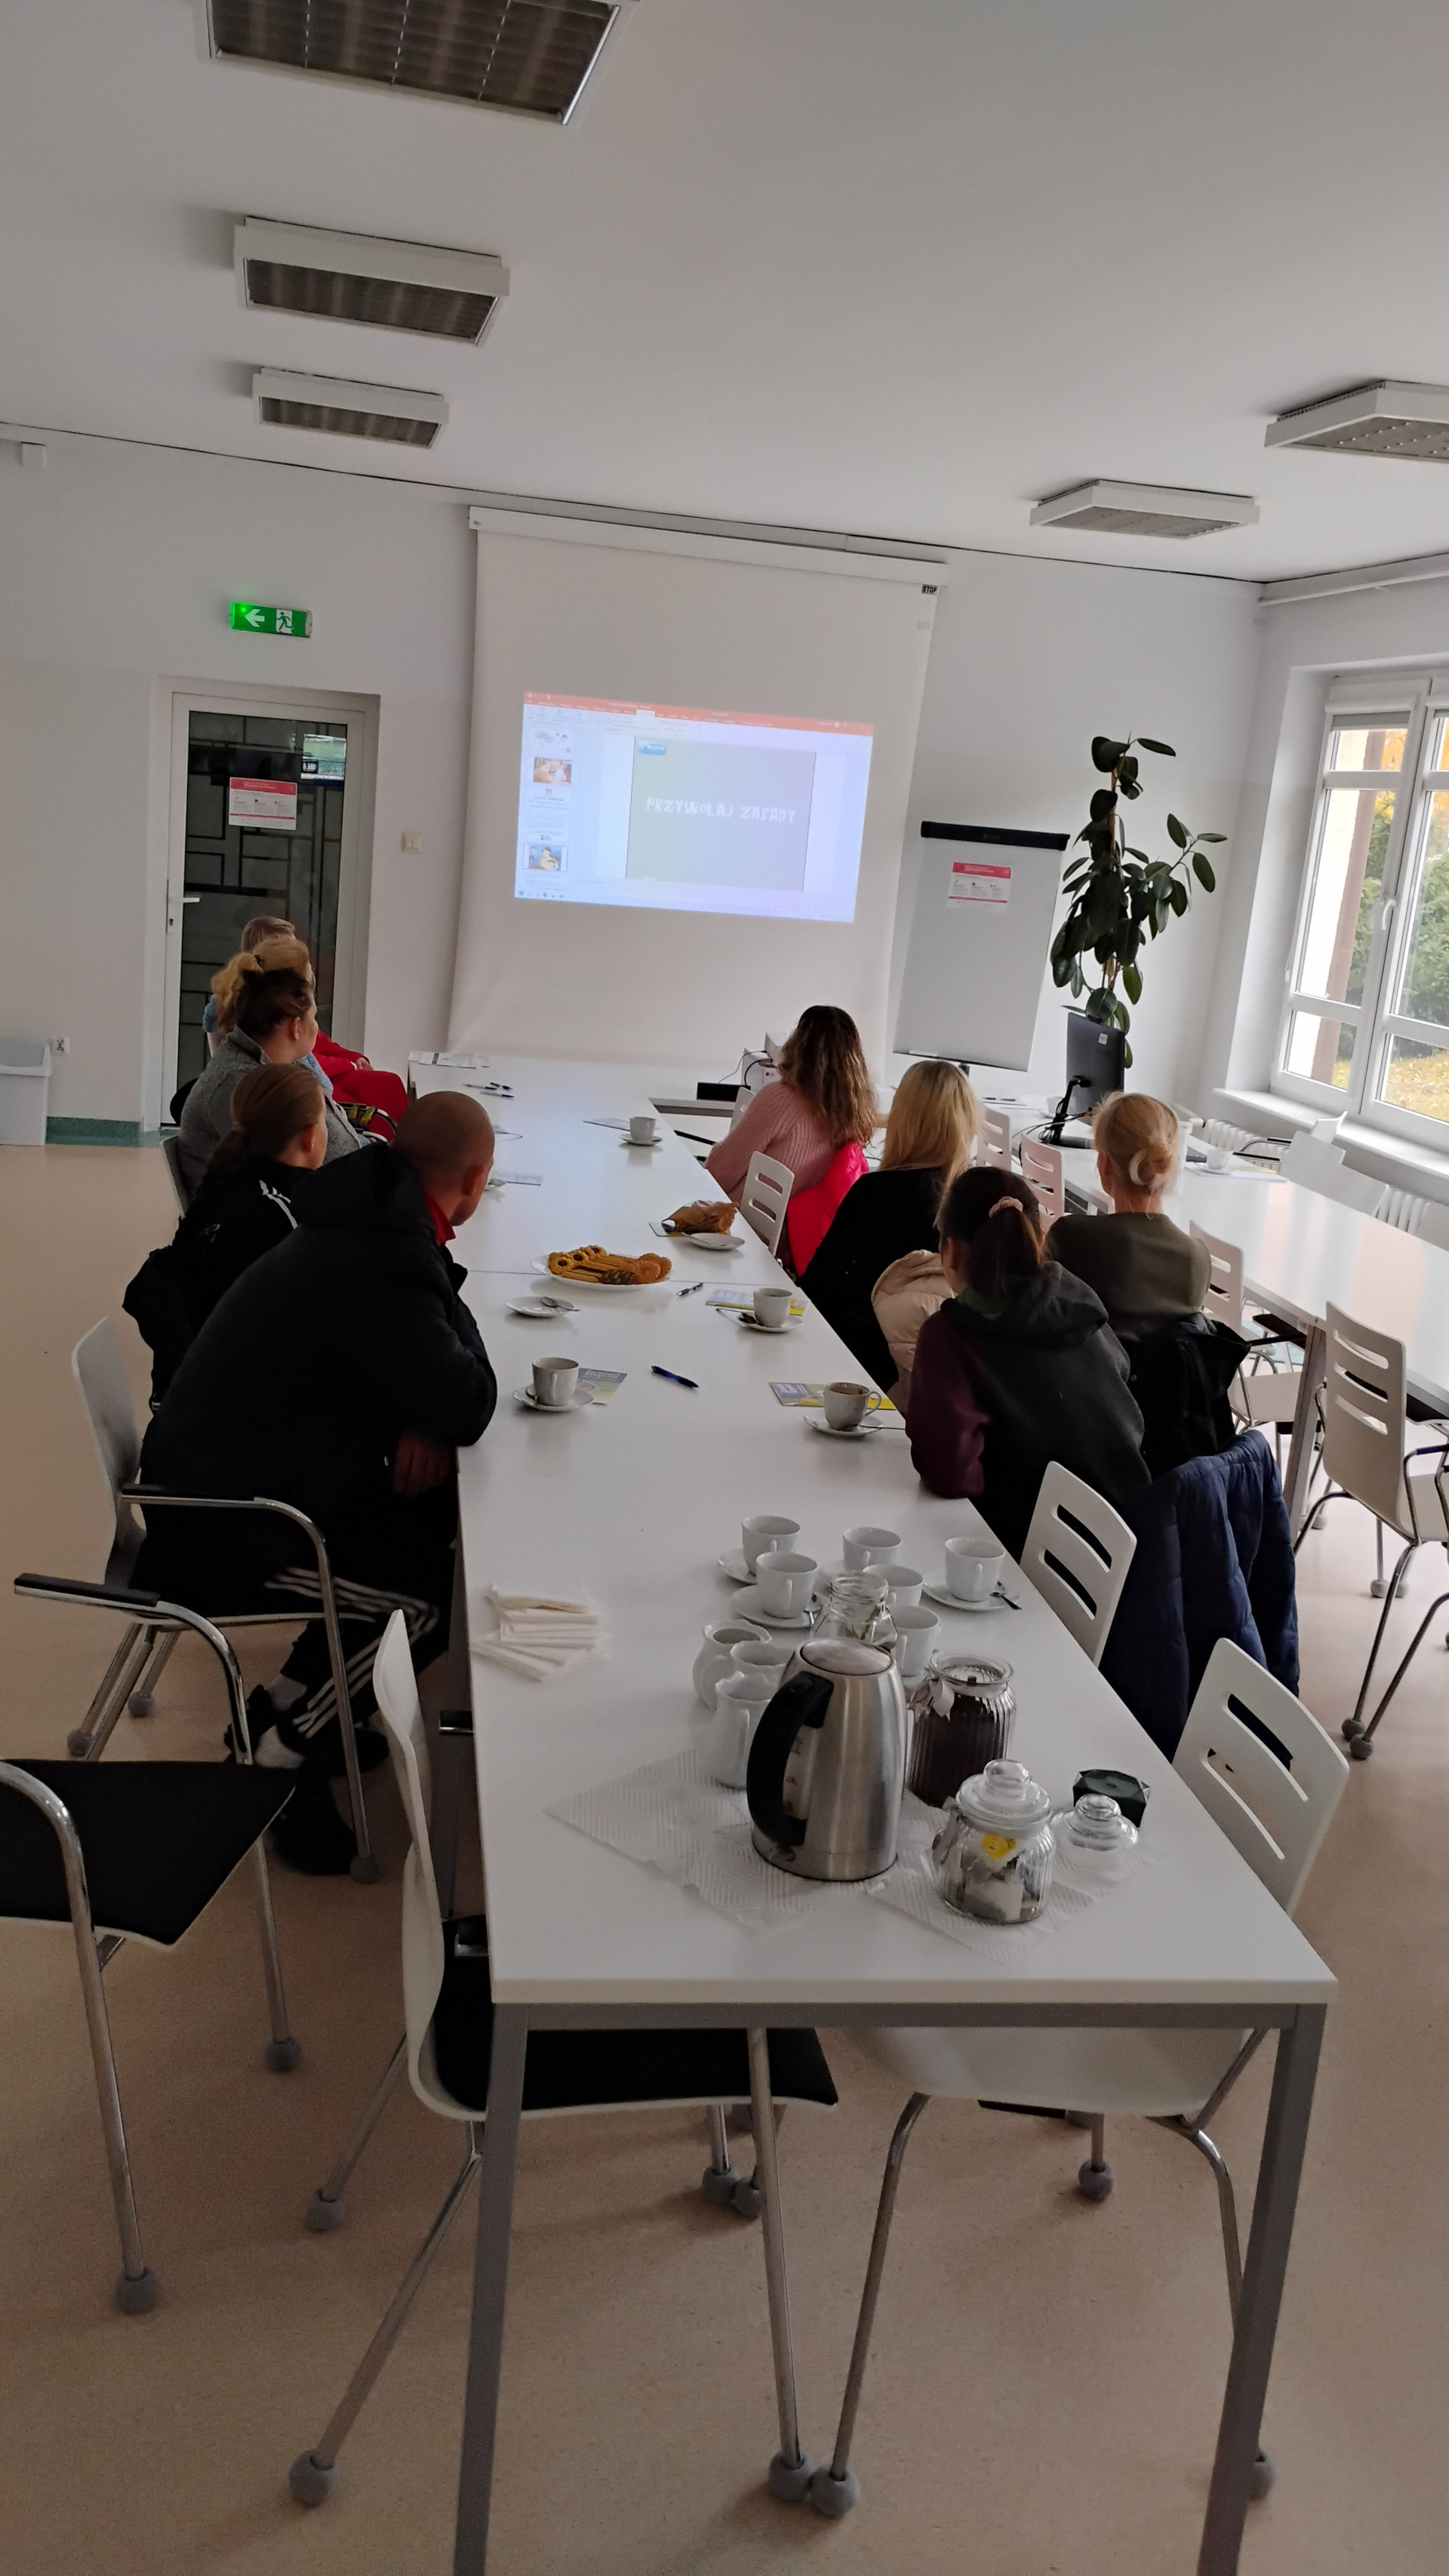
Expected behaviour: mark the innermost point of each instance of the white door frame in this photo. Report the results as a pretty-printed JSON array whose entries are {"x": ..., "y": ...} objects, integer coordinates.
[{"x": 354, "y": 892}]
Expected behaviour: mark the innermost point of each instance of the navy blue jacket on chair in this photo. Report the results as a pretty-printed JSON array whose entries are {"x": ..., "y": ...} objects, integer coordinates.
[{"x": 1214, "y": 1559}]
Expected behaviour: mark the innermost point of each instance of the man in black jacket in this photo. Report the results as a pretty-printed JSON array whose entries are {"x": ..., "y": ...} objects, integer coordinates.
[{"x": 341, "y": 1373}]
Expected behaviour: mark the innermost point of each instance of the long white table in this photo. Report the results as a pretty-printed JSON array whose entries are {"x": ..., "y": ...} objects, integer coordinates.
[
  {"x": 633, "y": 1502},
  {"x": 1302, "y": 1253}
]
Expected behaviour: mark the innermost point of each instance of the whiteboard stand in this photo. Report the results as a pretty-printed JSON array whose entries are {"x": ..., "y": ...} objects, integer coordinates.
[{"x": 979, "y": 937}]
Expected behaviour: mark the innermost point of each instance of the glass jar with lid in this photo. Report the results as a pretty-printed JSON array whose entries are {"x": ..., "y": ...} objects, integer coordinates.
[
  {"x": 855, "y": 1606},
  {"x": 1094, "y": 1839},
  {"x": 995, "y": 1852},
  {"x": 963, "y": 1713}
]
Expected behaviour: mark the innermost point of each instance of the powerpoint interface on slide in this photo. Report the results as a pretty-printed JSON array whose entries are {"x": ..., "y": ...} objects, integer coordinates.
[{"x": 683, "y": 809}]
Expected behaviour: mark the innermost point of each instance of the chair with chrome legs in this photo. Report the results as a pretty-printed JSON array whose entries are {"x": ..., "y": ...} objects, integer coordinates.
[
  {"x": 135, "y": 1851},
  {"x": 447, "y": 2045},
  {"x": 1276, "y": 1818},
  {"x": 138, "y": 1662},
  {"x": 1366, "y": 1411}
]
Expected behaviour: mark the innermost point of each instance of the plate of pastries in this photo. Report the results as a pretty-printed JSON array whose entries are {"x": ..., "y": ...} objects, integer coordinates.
[
  {"x": 708, "y": 1223},
  {"x": 591, "y": 1265}
]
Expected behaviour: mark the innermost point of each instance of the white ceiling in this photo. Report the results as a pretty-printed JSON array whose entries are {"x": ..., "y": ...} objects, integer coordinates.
[{"x": 897, "y": 266}]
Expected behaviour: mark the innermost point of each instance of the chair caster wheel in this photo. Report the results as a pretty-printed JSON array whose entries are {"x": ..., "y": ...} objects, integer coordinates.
[
  {"x": 719, "y": 2185},
  {"x": 323, "y": 2215},
  {"x": 133, "y": 2298},
  {"x": 309, "y": 2481},
  {"x": 366, "y": 1868},
  {"x": 142, "y": 1703},
  {"x": 834, "y": 2496},
  {"x": 747, "y": 2196},
  {"x": 1263, "y": 2476},
  {"x": 77, "y": 1744},
  {"x": 790, "y": 2479},
  {"x": 282, "y": 2054},
  {"x": 1360, "y": 1747},
  {"x": 1094, "y": 2182},
  {"x": 1351, "y": 1727},
  {"x": 1379, "y": 1587}
]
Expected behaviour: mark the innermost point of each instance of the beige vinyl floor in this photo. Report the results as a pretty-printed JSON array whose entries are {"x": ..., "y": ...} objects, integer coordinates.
[{"x": 1046, "y": 2376}]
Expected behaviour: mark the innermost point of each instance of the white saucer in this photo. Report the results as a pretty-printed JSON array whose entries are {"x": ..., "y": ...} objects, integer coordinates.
[
  {"x": 746, "y": 1605},
  {"x": 952, "y": 1600},
  {"x": 754, "y": 1325},
  {"x": 733, "y": 1564},
  {"x": 636, "y": 1148},
  {"x": 582, "y": 1395},
  {"x": 602, "y": 1287},
  {"x": 537, "y": 1312},
  {"x": 856, "y": 1431}
]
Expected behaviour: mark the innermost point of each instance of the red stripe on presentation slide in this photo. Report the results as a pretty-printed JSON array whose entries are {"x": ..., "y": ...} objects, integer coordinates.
[{"x": 697, "y": 715}]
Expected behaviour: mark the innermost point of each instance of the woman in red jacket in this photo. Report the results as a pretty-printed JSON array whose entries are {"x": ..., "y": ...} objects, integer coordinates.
[{"x": 1020, "y": 1366}]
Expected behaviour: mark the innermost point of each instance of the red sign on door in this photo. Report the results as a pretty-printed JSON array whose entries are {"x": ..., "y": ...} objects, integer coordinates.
[{"x": 267, "y": 804}]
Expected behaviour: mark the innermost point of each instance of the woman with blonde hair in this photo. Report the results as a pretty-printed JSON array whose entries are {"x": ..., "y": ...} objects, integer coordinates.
[
  {"x": 824, "y": 1099},
  {"x": 1146, "y": 1271},
  {"x": 890, "y": 1214}
]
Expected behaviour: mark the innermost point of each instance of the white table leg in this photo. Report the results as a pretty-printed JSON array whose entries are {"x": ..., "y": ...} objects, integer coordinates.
[
  {"x": 1300, "y": 1447},
  {"x": 490, "y": 2288}
]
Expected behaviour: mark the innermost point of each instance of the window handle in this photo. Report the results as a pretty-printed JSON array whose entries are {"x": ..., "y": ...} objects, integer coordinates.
[{"x": 1383, "y": 911}]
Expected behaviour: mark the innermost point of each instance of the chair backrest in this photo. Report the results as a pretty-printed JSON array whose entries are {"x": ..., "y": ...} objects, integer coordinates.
[
  {"x": 810, "y": 1213},
  {"x": 993, "y": 1142},
  {"x": 400, "y": 1709},
  {"x": 1079, "y": 1571},
  {"x": 765, "y": 1197},
  {"x": 1405, "y": 1209},
  {"x": 1220, "y": 1131},
  {"x": 1432, "y": 1223},
  {"x": 758, "y": 1072},
  {"x": 1319, "y": 1165},
  {"x": 171, "y": 1148},
  {"x": 1042, "y": 1166},
  {"x": 1276, "y": 1818},
  {"x": 105, "y": 1392},
  {"x": 1224, "y": 1298},
  {"x": 1364, "y": 1417}
]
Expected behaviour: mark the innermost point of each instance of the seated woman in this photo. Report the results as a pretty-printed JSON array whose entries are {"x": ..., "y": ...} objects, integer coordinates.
[
  {"x": 367, "y": 1096},
  {"x": 262, "y": 927},
  {"x": 928, "y": 1140},
  {"x": 243, "y": 1208},
  {"x": 1146, "y": 1271},
  {"x": 275, "y": 1022},
  {"x": 1019, "y": 1367},
  {"x": 824, "y": 1099}
]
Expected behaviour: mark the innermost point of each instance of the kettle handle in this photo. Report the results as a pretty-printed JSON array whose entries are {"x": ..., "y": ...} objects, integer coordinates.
[{"x": 802, "y": 1701}]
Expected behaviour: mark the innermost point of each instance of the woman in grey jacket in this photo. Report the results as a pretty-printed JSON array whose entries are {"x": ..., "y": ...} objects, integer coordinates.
[{"x": 276, "y": 1023}]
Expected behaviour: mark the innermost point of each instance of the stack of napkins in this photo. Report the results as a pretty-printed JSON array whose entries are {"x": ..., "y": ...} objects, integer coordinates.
[{"x": 540, "y": 1634}]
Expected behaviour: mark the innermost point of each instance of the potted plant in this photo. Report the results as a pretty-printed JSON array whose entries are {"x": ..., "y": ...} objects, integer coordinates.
[{"x": 1119, "y": 895}]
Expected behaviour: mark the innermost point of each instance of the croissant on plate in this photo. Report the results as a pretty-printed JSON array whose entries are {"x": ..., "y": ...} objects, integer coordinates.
[
  {"x": 610, "y": 1269},
  {"x": 704, "y": 1216}
]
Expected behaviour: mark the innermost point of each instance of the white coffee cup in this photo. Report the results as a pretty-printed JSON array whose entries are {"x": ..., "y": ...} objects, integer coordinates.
[
  {"x": 762, "y": 1532},
  {"x": 863, "y": 1546},
  {"x": 555, "y": 1382},
  {"x": 772, "y": 1305},
  {"x": 785, "y": 1582},
  {"x": 916, "y": 1629},
  {"x": 845, "y": 1402},
  {"x": 973, "y": 1567},
  {"x": 903, "y": 1588},
  {"x": 641, "y": 1130},
  {"x": 761, "y": 1655},
  {"x": 1218, "y": 1157}
]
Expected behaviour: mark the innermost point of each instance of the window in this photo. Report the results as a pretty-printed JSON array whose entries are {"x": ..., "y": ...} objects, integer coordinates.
[{"x": 1366, "y": 1021}]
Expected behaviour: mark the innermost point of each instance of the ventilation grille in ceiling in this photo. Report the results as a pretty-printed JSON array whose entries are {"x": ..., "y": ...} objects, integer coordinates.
[
  {"x": 1144, "y": 510},
  {"x": 348, "y": 277},
  {"x": 530, "y": 55},
  {"x": 1407, "y": 421},
  {"x": 344, "y": 410}
]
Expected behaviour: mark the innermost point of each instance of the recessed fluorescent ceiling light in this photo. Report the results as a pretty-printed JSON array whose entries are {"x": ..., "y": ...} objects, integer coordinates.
[
  {"x": 533, "y": 56},
  {"x": 1382, "y": 419},
  {"x": 390, "y": 286},
  {"x": 346, "y": 410},
  {"x": 1144, "y": 510}
]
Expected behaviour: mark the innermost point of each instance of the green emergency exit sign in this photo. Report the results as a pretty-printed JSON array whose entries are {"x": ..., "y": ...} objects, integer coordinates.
[{"x": 270, "y": 621}]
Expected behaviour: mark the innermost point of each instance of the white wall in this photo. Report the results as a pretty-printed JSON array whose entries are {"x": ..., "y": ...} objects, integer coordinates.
[
  {"x": 1305, "y": 644},
  {"x": 1029, "y": 660},
  {"x": 116, "y": 567}
]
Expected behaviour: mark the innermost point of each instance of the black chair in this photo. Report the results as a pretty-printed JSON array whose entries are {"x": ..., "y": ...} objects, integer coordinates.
[{"x": 135, "y": 1851}]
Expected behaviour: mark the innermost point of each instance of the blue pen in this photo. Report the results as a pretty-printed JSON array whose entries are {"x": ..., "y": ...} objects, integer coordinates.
[
  {"x": 690, "y": 1291},
  {"x": 675, "y": 1379}
]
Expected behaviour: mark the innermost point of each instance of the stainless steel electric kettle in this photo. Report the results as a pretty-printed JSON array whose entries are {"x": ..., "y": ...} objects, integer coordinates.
[{"x": 828, "y": 1764}]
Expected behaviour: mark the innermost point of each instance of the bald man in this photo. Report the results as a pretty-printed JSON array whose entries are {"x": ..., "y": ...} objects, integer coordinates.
[{"x": 341, "y": 1373}]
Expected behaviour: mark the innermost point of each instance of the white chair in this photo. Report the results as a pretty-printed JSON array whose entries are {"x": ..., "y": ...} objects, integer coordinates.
[
  {"x": 1218, "y": 1131},
  {"x": 1433, "y": 1223},
  {"x": 171, "y": 1148},
  {"x": 1042, "y": 1166},
  {"x": 765, "y": 1197},
  {"x": 1263, "y": 1390},
  {"x": 1365, "y": 1432},
  {"x": 142, "y": 1654},
  {"x": 993, "y": 1141},
  {"x": 1319, "y": 1165},
  {"x": 448, "y": 2009},
  {"x": 1076, "y": 1556},
  {"x": 1405, "y": 1209},
  {"x": 1276, "y": 1818}
]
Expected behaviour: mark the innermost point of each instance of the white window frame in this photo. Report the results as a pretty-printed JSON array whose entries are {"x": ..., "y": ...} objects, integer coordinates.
[{"x": 1416, "y": 700}]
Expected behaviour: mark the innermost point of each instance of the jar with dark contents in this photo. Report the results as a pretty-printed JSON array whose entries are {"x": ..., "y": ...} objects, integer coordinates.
[{"x": 963, "y": 1713}]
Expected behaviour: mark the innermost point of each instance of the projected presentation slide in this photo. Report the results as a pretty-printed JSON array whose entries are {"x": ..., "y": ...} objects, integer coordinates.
[{"x": 682, "y": 809}]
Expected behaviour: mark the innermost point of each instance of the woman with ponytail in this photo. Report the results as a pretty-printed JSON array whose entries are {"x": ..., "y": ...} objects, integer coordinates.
[
  {"x": 270, "y": 1016},
  {"x": 1146, "y": 1271},
  {"x": 1019, "y": 1367}
]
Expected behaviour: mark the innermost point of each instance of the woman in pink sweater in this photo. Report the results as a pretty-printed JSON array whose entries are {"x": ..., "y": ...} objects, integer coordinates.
[{"x": 823, "y": 1099}]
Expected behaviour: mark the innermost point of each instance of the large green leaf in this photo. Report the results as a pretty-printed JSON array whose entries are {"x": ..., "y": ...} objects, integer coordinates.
[
  {"x": 1132, "y": 982},
  {"x": 1129, "y": 787},
  {"x": 1176, "y": 831},
  {"x": 1105, "y": 752},
  {"x": 1212, "y": 836},
  {"x": 1202, "y": 870},
  {"x": 1147, "y": 743},
  {"x": 1178, "y": 898}
]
